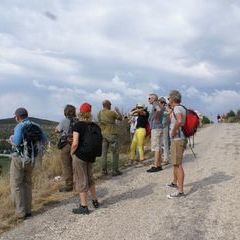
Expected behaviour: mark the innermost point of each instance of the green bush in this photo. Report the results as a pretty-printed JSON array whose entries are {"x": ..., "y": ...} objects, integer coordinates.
[
  {"x": 231, "y": 114},
  {"x": 238, "y": 114},
  {"x": 232, "y": 119},
  {"x": 205, "y": 120}
]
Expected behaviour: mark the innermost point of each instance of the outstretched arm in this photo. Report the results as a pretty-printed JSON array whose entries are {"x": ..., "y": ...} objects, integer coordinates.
[{"x": 118, "y": 113}]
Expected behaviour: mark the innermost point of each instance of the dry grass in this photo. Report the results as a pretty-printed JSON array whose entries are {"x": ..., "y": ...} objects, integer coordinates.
[{"x": 45, "y": 188}]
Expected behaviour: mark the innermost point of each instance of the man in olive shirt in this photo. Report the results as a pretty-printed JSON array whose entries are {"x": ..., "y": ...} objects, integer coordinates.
[{"x": 107, "y": 120}]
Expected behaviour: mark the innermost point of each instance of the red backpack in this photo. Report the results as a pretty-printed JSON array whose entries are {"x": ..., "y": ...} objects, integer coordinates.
[{"x": 191, "y": 123}]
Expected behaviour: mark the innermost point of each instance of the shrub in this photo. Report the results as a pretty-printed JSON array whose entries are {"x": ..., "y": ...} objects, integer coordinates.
[
  {"x": 205, "y": 120},
  {"x": 231, "y": 114},
  {"x": 232, "y": 119},
  {"x": 238, "y": 114}
]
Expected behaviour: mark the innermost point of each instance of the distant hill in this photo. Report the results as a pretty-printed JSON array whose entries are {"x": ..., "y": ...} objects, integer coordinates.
[
  {"x": 36, "y": 120},
  {"x": 7, "y": 126}
]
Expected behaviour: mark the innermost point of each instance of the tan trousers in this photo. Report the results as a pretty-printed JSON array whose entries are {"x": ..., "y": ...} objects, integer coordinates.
[
  {"x": 67, "y": 166},
  {"x": 21, "y": 185}
]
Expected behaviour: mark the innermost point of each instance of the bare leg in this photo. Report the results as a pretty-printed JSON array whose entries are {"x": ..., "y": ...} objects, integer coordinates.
[
  {"x": 83, "y": 198},
  {"x": 175, "y": 170},
  {"x": 93, "y": 192},
  {"x": 157, "y": 158},
  {"x": 180, "y": 177}
]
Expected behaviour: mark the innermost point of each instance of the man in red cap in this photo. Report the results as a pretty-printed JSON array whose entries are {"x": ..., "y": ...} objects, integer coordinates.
[{"x": 107, "y": 119}]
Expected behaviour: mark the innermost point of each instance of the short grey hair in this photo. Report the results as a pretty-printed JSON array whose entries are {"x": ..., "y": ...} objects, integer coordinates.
[
  {"x": 176, "y": 96},
  {"x": 154, "y": 95}
]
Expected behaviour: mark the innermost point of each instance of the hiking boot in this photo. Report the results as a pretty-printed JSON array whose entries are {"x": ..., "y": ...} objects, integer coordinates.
[
  {"x": 28, "y": 215},
  {"x": 81, "y": 210},
  {"x": 116, "y": 173},
  {"x": 95, "y": 203},
  {"x": 23, "y": 217},
  {"x": 65, "y": 189},
  {"x": 176, "y": 195},
  {"x": 171, "y": 185},
  {"x": 104, "y": 172},
  {"x": 154, "y": 169}
]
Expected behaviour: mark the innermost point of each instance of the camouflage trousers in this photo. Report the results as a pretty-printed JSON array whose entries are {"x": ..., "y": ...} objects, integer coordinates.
[{"x": 110, "y": 142}]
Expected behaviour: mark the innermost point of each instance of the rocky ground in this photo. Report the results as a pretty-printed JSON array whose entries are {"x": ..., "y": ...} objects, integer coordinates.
[{"x": 135, "y": 206}]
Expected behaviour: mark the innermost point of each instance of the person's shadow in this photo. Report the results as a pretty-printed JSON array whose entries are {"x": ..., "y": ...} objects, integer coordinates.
[
  {"x": 214, "y": 179},
  {"x": 133, "y": 194}
]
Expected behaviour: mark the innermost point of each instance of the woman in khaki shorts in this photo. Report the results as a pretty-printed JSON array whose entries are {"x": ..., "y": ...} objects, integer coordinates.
[{"x": 82, "y": 164}]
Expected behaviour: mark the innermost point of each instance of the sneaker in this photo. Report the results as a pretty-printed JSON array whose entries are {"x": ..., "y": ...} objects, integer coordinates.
[
  {"x": 65, "y": 189},
  {"x": 95, "y": 203},
  {"x": 171, "y": 185},
  {"x": 154, "y": 169},
  {"x": 116, "y": 173},
  {"x": 81, "y": 210},
  {"x": 176, "y": 195}
]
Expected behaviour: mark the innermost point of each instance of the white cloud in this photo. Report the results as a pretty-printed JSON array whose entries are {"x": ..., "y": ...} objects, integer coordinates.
[{"x": 119, "y": 50}]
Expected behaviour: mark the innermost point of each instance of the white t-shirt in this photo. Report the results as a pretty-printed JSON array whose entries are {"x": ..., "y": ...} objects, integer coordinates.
[
  {"x": 133, "y": 124},
  {"x": 178, "y": 110}
]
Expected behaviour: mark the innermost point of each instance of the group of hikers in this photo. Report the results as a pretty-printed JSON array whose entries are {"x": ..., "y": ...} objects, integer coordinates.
[{"x": 81, "y": 140}]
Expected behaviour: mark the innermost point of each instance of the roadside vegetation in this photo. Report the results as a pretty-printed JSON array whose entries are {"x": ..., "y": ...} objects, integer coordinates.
[
  {"x": 46, "y": 180},
  {"x": 231, "y": 117}
]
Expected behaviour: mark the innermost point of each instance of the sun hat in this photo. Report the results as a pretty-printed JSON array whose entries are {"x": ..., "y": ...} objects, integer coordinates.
[
  {"x": 85, "y": 107},
  {"x": 140, "y": 105}
]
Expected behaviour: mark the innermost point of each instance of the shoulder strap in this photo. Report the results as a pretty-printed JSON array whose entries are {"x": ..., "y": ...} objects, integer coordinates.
[{"x": 70, "y": 126}]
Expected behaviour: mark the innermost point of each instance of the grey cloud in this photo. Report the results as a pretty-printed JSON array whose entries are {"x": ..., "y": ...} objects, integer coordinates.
[{"x": 155, "y": 46}]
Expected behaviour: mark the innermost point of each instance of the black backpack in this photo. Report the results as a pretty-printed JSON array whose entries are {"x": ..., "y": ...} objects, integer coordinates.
[
  {"x": 32, "y": 137},
  {"x": 91, "y": 146}
]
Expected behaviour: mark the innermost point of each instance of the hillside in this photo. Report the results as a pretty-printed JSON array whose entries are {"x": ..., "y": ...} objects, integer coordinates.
[
  {"x": 36, "y": 120},
  {"x": 7, "y": 126}
]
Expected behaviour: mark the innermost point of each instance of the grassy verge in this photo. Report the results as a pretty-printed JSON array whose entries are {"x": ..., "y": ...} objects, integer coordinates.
[{"x": 45, "y": 187}]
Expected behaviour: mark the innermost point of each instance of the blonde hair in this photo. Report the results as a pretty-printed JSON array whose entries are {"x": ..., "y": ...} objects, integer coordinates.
[{"x": 85, "y": 116}]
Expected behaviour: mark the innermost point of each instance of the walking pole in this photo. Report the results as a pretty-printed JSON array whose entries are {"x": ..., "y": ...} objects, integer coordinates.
[{"x": 192, "y": 149}]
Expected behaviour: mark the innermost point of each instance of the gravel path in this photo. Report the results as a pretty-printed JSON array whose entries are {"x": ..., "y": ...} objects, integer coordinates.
[{"x": 135, "y": 206}]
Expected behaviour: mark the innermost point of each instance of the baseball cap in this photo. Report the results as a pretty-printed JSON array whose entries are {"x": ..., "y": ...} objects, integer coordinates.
[
  {"x": 85, "y": 107},
  {"x": 21, "y": 112}
]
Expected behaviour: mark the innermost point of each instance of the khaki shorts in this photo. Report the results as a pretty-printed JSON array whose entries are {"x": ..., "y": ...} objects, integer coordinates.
[
  {"x": 156, "y": 139},
  {"x": 177, "y": 149},
  {"x": 82, "y": 174}
]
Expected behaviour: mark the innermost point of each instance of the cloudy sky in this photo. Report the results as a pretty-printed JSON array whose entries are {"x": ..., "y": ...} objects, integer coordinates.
[{"x": 58, "y": 52}]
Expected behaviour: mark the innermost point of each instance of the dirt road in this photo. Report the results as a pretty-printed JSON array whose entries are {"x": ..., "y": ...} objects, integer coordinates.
[{"x": 135, "y": 206}]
